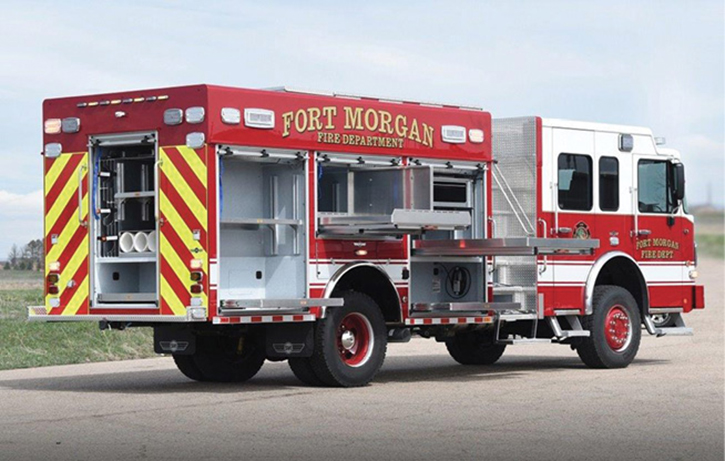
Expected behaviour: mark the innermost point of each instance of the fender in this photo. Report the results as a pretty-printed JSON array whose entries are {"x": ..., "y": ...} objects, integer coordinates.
[
  {"x": 594, "y": 273},
  {"x": 341, "y": 272},
  {"x": 350, "y": 267}
]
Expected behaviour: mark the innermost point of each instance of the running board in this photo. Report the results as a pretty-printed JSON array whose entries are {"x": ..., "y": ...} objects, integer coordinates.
[
  {"x": 577, "y": 330},
  {"x": 680, "y": 329},
  {"x": 513, "y": 341}
]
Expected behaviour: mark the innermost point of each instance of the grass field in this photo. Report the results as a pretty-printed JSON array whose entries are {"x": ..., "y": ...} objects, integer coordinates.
[
  {"x": 710, "y": 233},
  {"x": 33, "y": 344}
]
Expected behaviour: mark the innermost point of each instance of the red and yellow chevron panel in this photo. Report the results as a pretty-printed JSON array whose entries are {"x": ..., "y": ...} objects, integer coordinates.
[
  {"x": 183, "y": 238},
  {"x": 66, "y": 232}
]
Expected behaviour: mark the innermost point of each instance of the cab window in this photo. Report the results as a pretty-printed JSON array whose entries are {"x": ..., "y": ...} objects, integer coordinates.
[
  {"x": 654, "y": 194},
  {"x": 575, "y": 182},
  {"x": 608, "y": 184}
]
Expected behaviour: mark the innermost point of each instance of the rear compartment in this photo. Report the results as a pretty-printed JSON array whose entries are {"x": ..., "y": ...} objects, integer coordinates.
[{"x": 124, "y": 228}]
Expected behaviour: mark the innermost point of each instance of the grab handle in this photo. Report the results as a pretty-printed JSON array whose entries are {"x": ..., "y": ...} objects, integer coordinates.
[
  {"x": 80, "y": 196},
  {"x": 157, "y": 186}
]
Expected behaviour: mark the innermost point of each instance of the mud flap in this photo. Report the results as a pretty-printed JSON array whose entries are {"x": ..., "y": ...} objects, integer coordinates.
[
  {"x": 174, "y": 339},
  {"x": 289, "y": 340}
]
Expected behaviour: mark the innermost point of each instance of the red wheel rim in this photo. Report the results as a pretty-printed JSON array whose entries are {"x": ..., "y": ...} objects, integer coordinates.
[
  {"x": 618, "y": 328},
  {"x": 355, "y": 340}
]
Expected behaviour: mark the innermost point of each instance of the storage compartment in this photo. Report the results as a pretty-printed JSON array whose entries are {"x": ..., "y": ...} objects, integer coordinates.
[
  {"x": 356, "y": 200},
  {"x": 446, "y": 281},
  {"x": 262, "y": 232},
  {"x": 123, "y": 223}
]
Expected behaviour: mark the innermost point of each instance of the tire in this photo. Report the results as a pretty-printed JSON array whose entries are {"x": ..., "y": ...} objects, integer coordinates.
[
  {"x": 663, "y": 320},
  {"x": 350, "y": 343},
  {"x": 185, "y": 364},
  {"x": 302, "y": 368},
  {"x": 474, "y": 348},
  {"x": 615, "y": 329},
  {"x": 227, "y": 359}
]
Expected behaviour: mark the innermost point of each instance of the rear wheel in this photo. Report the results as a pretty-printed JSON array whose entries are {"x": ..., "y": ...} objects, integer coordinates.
[
  {"x": 350, "y": 343},
  {"x": 302, "y": 368},
  {"x": 474, "y": 348},
  {"x": 185, "y": 364},
  {"x": 222, "y": 359},
  {"x": 615, "y": 329}
]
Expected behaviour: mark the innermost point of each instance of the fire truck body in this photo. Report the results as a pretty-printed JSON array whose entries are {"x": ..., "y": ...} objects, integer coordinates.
[{"x": 246, "y": 225}]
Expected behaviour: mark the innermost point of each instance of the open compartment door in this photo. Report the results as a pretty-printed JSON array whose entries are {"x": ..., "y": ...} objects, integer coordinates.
[
  {"x": 385, "y": 201},
  {"x": 183, "y": 219}
]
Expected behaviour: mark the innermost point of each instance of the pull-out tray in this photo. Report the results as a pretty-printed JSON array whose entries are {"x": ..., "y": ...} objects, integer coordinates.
[
  {"x": 517, "y": 246},
  {"x": 400, "y": 221},
  {"x": 127, "y": 297}
]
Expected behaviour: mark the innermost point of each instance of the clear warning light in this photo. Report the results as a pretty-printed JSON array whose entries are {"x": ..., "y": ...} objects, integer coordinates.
[
  {"x": 52, "y": 126},
  {"x": 475, "y": 136}
]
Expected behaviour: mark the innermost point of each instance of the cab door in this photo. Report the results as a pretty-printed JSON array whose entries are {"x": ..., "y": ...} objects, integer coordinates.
[{"x": 657, "y": 232}]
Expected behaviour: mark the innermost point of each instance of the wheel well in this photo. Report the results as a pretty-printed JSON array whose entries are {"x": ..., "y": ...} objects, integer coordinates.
[
  {"x": 373, "y": 282},
  {"x": 624, "y": 273}
]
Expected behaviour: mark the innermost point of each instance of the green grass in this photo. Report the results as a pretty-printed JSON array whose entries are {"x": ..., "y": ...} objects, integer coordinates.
[
  {"x": 26, "y": 344},
  {"x": 712, "y": 245}
]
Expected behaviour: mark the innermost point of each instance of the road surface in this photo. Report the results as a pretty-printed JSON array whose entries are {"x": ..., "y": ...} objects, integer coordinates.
[{"x": 537, "y": 403}]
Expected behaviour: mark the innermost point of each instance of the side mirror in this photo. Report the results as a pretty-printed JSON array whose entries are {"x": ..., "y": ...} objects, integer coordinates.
[{"x": 679, "y": 180}]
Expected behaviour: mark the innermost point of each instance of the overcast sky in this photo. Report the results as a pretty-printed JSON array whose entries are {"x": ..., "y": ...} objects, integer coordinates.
[{"x": 657, "y": 64}]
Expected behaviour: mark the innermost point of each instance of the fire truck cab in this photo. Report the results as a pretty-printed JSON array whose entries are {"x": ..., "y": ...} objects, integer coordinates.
[{"x": 252, "y": 225}]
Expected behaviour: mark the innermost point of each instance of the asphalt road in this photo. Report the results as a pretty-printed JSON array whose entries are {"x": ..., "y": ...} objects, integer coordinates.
[{"x": 538, "y": 402}]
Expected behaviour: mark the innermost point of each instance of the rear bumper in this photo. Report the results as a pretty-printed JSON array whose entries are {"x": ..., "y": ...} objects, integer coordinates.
[{"x": 193, "y": 314}]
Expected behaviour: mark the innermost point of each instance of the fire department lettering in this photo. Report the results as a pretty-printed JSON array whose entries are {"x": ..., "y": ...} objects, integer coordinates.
[
  {"x": 647, "y": 253},
  {"x": 390, "y": 131}
]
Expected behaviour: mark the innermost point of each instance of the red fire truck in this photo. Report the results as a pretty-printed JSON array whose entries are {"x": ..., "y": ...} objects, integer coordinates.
[{"x": 252, "y": 225}]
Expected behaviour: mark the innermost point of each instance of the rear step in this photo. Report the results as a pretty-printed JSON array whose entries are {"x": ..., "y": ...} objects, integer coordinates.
[{"x": 680, "y": 329}]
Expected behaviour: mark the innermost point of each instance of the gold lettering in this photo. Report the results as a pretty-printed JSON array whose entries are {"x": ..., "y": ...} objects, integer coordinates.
[
  {"x": 301, "y": 120},
  {"x": 414, "y": 134},
  {"x": 427, "y": 135},
  {"x": 385, "y": 119},
  {"x": 329, "y": 112},
  {"x": 286, "y": 123},
  {"x": 353, "y": 118},
  {"x": 371, "y": 119},
  {"x": 401, "y": 125},
  {"x": 314, "y": 115}
]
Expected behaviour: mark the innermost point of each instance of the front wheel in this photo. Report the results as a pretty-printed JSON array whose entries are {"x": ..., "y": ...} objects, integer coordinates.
[
  {"x": 350, "y": 343},
  {"x": 615, "y": 329}
]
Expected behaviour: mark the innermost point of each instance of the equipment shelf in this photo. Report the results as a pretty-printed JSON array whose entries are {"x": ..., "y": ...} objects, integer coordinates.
[
  {"x": 138, "y": 194},
  {"x": 400, "y": 221},
  {"x": 517, "y": 246},
  {"x": 256, "y": 223}
]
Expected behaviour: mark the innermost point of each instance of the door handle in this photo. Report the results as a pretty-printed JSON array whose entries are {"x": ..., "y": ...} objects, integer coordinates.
[{"x": 644, "y": 232}]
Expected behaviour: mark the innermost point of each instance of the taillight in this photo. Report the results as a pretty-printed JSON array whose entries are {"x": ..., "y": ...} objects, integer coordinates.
[
  {"x": 197, "y": 277},
  {"x": 52, "y": 281}
]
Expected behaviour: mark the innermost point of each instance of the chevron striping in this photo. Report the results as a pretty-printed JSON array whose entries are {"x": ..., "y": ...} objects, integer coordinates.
[
  {"x": 194, "y": 161},
  {"x": 69, "y": 190},
  {"x": 177, "y": 182}
]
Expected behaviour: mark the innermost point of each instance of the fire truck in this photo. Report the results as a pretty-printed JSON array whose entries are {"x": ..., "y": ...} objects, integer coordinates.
[{"x": 252, "y": 225}]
